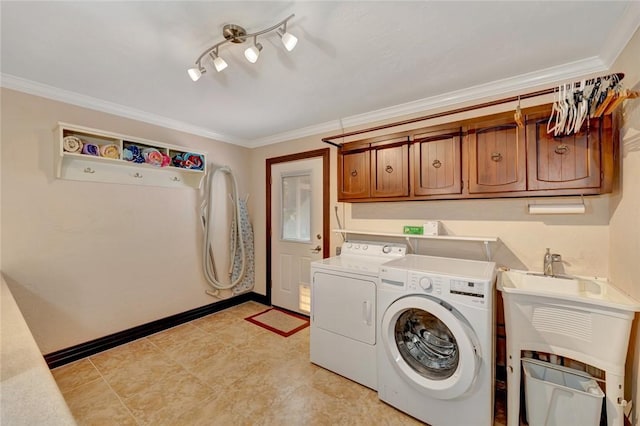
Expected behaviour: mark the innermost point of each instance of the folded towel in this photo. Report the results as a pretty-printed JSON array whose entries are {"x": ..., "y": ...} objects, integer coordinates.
[
  {"x": 133, "y": 153},
  {"x": 177, "y": 160},
  {"x": 192, "y": 161},
  {"x": 152, "y": 156},
  {"x": 72, "y": 144},
  {"x": 91, "y": 149},
  {"x": 110, "y": 151},
  {"x": 166, "y": 160}
]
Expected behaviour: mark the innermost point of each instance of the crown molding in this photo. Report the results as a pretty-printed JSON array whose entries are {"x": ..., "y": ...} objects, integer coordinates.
[
  {"x": 316, "y": 129},
  {"x": 43, "y": 90},
  {"x": 621, "y": 33},
  {"x": 480, "y": 93},
  {"x": 505, "y": 87}
]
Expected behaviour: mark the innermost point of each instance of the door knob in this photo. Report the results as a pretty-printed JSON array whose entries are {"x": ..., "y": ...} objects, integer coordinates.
[{"x": 318, "y": 249}]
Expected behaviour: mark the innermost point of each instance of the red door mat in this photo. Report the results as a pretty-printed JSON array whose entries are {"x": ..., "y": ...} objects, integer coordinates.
[{"x": 281, "y": 322}]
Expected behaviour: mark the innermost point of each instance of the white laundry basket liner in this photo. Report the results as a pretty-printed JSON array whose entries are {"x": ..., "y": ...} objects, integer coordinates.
[{"x": 560, "y": 396}]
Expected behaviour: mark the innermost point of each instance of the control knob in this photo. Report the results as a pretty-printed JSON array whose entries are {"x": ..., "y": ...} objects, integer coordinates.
[
  {"x": 426, "y": 284},
  {"x": 386, "y": 249}
]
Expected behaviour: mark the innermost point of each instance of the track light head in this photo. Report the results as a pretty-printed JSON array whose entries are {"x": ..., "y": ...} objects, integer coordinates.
[
  {"x": 218, "y": 62},
  {"x": 253, "y": 52},
  {"x": 196, "y": 73},
  {"x": 288, "y": 40}
]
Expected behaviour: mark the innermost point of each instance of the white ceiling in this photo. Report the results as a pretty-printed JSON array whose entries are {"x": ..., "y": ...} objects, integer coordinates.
[{"x": 355, "y": 61}]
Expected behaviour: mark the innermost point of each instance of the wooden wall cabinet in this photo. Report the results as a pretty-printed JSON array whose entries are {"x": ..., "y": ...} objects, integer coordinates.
[
  {"x": 436, "y": 161},
  {"x": 390, "y": 168},
  {"x": 486, "y": 157},
  {"x": 497, "y": 157},
  {"x": 563, "y": 162},
  {"x": 354, "y": 174},
  {"x": 374, "y": 169}
]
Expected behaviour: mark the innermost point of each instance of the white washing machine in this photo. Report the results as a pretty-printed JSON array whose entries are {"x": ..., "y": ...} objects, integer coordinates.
[
  {"x": 343, "y": 309},
  {"x": 436, "y": 339}
]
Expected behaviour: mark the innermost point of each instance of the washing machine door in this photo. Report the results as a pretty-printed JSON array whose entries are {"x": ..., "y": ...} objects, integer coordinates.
[{"x": 431, "y": 346}]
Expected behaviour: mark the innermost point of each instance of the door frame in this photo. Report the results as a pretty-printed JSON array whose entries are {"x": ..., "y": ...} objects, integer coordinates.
[{"x": 323, "y": 153}]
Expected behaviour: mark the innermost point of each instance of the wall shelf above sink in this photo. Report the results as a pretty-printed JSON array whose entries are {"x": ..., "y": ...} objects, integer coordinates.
[{"x": 408, "y": 237}]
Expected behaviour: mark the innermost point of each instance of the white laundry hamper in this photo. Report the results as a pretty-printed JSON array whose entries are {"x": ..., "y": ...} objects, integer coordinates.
[{"x": 560, "y": 396}]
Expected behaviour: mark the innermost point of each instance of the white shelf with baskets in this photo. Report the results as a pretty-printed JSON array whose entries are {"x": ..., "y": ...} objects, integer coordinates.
[{"x": 103, "y": 159}]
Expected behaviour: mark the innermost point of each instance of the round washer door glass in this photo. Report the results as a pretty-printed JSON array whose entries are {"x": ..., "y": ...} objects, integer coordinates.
[
  {"x": 430, "y": 345},
  {"x": 427, "y": 344}
]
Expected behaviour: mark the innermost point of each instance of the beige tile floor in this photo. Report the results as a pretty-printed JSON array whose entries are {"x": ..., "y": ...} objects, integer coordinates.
[{"x": 217, "y": 370}]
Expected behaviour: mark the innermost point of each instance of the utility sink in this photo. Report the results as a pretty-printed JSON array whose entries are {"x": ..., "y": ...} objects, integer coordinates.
[
  {"x": 590, "y": 291},
  {"x": 580, "y": 318}
]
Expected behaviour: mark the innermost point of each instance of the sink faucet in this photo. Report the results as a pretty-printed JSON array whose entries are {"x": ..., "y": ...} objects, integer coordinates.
[{"x": 549, "y": 260}]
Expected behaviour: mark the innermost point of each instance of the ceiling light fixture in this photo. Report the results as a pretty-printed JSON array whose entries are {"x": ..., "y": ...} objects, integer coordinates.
[{"x": 236, "y": 34}]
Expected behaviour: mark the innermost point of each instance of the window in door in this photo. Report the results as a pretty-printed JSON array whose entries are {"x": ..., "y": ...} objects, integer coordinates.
[{"x": 296, "y": 207}]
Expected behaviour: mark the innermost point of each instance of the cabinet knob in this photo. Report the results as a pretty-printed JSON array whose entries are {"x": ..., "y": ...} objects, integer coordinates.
[
  {"x": 354, "y": 173},
  {"x": 89, "y": 170},
  {"x": 561, "y": 149},
  {"x": 388, "y": 169},
  {"x": 436, "y": 163},
  {"x": 175, "y": 178},
  {"x": 496, "y": 156},
  {"x": 137, "y": 175}
]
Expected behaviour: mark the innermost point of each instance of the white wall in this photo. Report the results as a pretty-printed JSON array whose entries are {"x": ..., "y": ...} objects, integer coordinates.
[
  {"x": 625, "y": 216},
  {"x": 86, "y": 259}
]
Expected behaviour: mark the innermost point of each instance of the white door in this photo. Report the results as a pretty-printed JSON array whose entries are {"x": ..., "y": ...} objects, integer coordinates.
[{"x": 296, "y": 230}]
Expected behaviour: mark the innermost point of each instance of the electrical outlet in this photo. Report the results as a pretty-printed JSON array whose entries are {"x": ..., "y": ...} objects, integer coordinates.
[{"x": 338, "y": 250}]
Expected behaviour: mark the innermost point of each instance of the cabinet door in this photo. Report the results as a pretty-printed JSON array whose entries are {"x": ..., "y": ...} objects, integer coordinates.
[
  {"x": 436, "y": 164},
  {"x": 497, "y": 159},
  {"x": 353, "y": 175},
  {"x": 390, "y": 169},
  {"x": 567, "y": 162}
]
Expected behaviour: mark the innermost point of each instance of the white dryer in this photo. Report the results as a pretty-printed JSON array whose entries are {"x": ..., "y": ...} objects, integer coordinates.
[
  {"x": 436, "y": 339},
  {"x": 343, "y": 309}
]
